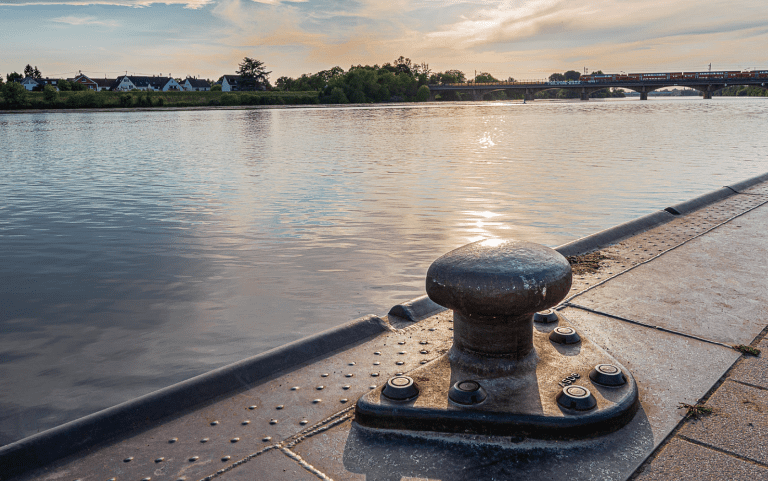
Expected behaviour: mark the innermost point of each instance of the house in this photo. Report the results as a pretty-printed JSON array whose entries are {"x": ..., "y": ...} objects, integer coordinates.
[
  {"x": 85, "y": 80},
  {"x": 196, "y": 85},
  {"x": 105, "y": 84},
  {"x": 30, "y": 83},
  {"x": 131, "y": 82},
  {"x": 230, "y": 83},
  {"x": 95, "y": 84}
]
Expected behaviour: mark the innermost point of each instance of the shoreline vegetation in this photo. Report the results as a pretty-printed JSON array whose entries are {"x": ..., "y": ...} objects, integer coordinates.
[{"x": 392, "y": 83}]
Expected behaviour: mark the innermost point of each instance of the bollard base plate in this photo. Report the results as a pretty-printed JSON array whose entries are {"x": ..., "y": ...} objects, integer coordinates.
[{"x": 545, "y": 396}]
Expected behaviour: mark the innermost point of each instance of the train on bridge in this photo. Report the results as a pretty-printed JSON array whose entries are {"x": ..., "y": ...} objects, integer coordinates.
[{"x": 633, "y": 77}]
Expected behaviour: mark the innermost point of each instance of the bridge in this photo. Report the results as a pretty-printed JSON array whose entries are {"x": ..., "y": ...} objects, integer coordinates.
[{"x": 706, "y": 85}]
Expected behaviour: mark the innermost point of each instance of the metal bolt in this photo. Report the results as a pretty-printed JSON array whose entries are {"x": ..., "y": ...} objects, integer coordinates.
[
  {"x": 225, "y": 458},
  {"x": 577, "y": 398},
  {"x": 607, "y": 375},
  {"x": 128, "y": 459},
  {"x": 376, "y": 363},
  {"x": 400, "y": 388},
  {"x": 266, "y": 439},
  {"x": 401, "y": 342},
  {"x": 159, "y": 460},
  {"x": 564, "y": 335},
  {"x": 545, "y": 316},
  {"x": 234, "y": 440},
  {"x": 378, "y": 353},
  {"x": 214, "y": 423},
  {"x": 467, "y": 392},
  {"x": 193, "y": 459},
  {"x": 303, "y": 422},
  {"x": 424, "y": 342},
  {"x": 251, "y": 407},
  {"x": 351, "y": 363},
  {"x": 204, "y": 440},
  {"x": 295, "y": 388},
  {"x": 273, "y": 421},
  {"x": 423, "y": 351},
  {"x": 246, "y": 422},
  {"x": 374, "y": 374},
  {"x": 317, "y": 401},
  {"x": 172, "y": 440},
  {"x": 344, "y": 401},
  {"x": 399, "y": 363},
  {"x": 348, "y": 375},
  {"x": 320, "y": 388},
  {"x": 279, "y": 407},
  {"x": 494, "y": 287},
  {"x": 324, "y": 375},
  {"x": 345, "y": 387}
]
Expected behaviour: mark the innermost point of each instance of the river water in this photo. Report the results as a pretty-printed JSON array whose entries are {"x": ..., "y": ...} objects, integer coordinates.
[{"x": 138, "y": 249}]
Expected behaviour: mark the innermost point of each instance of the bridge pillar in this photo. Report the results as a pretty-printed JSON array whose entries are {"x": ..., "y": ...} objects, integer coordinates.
[
  {"x": 707, "y": 93},
  {"x": 432, "y": 95},
  {"x": 529, "y": 95},
  {"x": 643, "y": 95},
  {"x": 477, "y": 95},
  {"x": 584, "y": 95}
]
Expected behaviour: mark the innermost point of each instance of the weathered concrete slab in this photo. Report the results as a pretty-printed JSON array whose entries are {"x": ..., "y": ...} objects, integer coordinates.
[
  {"x": 273, "y": 464},
  {"x": 738, "y": 423},
  {"x": 684, "y": 461},
  {"x": 714, "y": 286},
  {"x": 754, "y": 370}
]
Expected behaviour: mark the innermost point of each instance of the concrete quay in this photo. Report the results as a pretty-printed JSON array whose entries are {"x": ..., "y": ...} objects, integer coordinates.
[{"x": 671, "y": 294}]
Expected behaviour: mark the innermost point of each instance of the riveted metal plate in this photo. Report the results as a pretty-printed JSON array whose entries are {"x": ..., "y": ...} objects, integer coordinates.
[
  {"x": 237, "y": 426},
  {"x": 522, "y": 402}
]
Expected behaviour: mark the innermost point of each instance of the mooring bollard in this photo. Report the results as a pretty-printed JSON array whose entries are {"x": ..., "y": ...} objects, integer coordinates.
[
  {"x": 512, "y": 370},
  {"x": 494, "y": 288}
]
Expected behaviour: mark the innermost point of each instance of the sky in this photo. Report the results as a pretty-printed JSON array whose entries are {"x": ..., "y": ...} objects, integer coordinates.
[{"x": 521, "y": 39}]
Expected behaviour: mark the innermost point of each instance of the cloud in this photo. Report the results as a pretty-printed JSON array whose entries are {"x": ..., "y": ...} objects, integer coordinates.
[
  {"x": 192, "y": 4},
  {"x": 72, "y": 20}
]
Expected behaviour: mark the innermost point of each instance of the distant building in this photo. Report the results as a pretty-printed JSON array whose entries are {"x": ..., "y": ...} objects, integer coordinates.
[
  {"x": 192, "y": 84},
  {"x": 155, "y": 84},
  {"x": 230, "y": 83},
  {"x": 30, "y": 83},
  {"x": 95, "y": 84}
]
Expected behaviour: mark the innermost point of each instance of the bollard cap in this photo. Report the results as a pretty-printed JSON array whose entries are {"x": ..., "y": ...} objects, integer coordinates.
[{"x": 498, "y": 277}]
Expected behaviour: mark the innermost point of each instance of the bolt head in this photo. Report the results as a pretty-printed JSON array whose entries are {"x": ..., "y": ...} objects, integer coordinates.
[
  {"x": 467, "y": 392},
  {"x": 607, "y": 375},
  {"x": 400, "y": 388},
  {"x": 577, "y": 398}
]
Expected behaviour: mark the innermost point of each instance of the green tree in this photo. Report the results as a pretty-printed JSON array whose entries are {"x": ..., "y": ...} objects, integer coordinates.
[
  {"x": 14, "y": 77},
  {"x": 78, "y": 87},
  {"x": 64, "y": 85},
  {"x": 15, "y": 95},
  {"x": 422, "y": 95},
  {"x": 557, "y": 77},
  {"x": 50, "y": 94},
  {"x": 216, "y": 88},
  {"x": 36, "y": 73},
  {"x": 485, "y": 77},
  {"x": 572, "y": 75},
  {"x": 254, "y": 74},
  {"x": 29, "y": 71}
]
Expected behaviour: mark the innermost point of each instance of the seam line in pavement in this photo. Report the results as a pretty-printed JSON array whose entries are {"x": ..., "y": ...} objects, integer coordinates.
[
  {"x": 650, "y": 326},
  {"x": 568, "y": 300},
  {"x": 722, "y": 451},
  {"x": 238, "y": 463},
  {"x": 749, "y": 384},
  {"x": 298, "y": 459}
]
